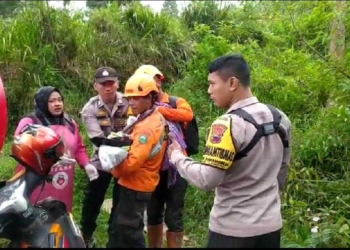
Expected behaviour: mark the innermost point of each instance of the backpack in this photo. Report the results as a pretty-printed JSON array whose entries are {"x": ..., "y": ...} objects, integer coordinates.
[
  {"x": 264, "y": 129},
  {"x": 190, "y": 132}
]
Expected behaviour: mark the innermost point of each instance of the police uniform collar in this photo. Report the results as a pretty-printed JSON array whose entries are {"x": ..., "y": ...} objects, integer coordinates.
[
  {"x": 120, "y": 99},
  {"x": 243, "y": 103}
]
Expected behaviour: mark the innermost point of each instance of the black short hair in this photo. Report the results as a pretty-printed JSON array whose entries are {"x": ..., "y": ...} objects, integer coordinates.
[{"x": 231, "y": 65}]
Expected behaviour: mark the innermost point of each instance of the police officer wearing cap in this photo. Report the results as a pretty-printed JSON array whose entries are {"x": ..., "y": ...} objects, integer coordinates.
[
  {"x": 245, "y": 160},
  {"x": 103, "y": 114}
]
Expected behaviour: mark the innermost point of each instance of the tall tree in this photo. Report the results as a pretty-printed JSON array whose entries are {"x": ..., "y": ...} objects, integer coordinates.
[
  {"x": 96, "y": 4},
  {"x": 66, "y": 2},
  {"x": 170, "y": 7},
  {"x": 126, "y": 2},
  {"x": 102, "y": 3}
]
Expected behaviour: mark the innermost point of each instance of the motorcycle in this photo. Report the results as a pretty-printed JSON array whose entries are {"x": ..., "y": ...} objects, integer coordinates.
[{"x": 44, "y": 225}]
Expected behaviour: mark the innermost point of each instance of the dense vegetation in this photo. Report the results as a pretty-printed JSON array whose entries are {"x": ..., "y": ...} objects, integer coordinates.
[{"x": 299, "y": 62}]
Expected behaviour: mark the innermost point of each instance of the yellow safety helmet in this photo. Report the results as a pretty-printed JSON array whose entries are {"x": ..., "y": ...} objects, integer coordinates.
[
  {"x": 140, "y": 84},
  {"x": 150, "y": 70}
]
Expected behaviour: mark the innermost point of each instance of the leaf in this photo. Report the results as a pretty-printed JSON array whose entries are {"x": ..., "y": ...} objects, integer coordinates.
[{"x": 344, "y": 228}]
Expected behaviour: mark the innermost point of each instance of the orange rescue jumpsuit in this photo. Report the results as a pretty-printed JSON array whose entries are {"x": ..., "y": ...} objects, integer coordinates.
[{"x": 138, "y": 176}]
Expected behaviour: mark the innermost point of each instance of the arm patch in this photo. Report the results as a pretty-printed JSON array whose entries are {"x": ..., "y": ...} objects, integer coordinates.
[{"x": 219, "y": 149}]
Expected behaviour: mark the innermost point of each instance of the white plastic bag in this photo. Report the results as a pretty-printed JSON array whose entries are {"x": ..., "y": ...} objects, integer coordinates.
[
  {"x": 131, "y": 120},
  {"x": 111, "y": 156}
]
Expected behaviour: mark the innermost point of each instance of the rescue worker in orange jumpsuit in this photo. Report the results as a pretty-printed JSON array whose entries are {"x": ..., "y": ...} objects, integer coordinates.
[
  {"x": 172, "y": 187},
  {"x": 138, "y": 174}
]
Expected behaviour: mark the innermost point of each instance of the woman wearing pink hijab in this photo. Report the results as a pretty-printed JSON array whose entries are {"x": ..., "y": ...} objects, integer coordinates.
[{"x": 49, "y": 111}]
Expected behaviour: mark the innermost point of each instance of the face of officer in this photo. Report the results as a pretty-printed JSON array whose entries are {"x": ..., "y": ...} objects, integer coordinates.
[
  {"x": 107, "y": 90},
  {"x": 229, "y": 80},
  {"x": 222, "y": 91}
]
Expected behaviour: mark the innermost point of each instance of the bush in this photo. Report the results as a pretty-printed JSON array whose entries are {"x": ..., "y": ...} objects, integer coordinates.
[{"x": 44, "y": 46}]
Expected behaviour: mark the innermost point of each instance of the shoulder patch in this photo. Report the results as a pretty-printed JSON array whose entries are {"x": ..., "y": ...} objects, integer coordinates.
[
  {"x": 217, "y": 132},
  {"x": 219, "y": 151}
]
